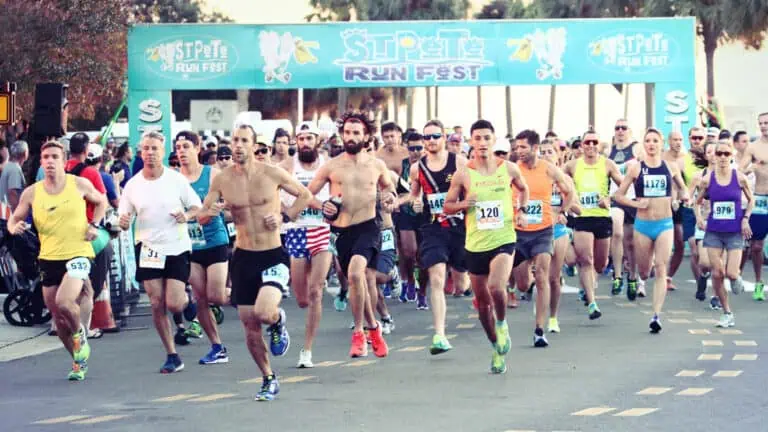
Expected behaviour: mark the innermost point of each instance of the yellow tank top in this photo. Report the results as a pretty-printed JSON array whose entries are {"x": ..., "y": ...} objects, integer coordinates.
[
  {"x": 61, "y": 222},
  {"x": 591, "y": 185},
  {"x": 491, "y": 222},
  {"x": 690, "y": 169}
]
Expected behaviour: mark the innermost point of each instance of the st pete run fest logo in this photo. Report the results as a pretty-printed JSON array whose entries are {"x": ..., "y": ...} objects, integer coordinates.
[{"x": 404, "y": 56}]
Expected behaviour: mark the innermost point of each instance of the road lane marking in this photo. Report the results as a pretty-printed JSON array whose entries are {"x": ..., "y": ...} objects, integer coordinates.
[
  {"x": 745, "y": 343},
  {"x": 679, "y": 312},
  {"x": 654, "y": 391},
  {"x": 176, "y": 398},
  {"x": 359, "y": 363},
  {"x": 626, "y": 305},
  {"x": 212, "y": 397},
  {"x": 745, "y": 357},
  {"x": 679, "y": 321},
  {"x": 296, "y": 379},
  {"x": 689, "y": 373},
  {"x": 451, "y": 336},
  {"x": 718, "y": 343},
  {"x": 473, "y": 316},
  {"x": 706, "y": 321},
  {"x": 710, "y": 357},
  {"x": 591, "y": 412},
  {"x": 411, "y": 349},
  {"x": 415, "y": 338},
  {"x": 602, "y": 297},
  {"x": 699, "y": 331},
  {"x": 465, "y": 326},
  {"x": 57, "y": 420},
  {"x": 727, "y": 373},
  {"x": 453, "y": 316},
  {"x": 329, "y": 363},
  {"x": 695, "y": 391},
  {"x": 730, "y": 331},
  {"x": 102, "y": 419},
  {"x": 635, "y": 412}
]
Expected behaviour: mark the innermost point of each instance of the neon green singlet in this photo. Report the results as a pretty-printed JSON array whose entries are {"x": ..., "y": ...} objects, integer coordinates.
[
  {"x": 491, "y": 222},
  {"x": 591, "y": 185}
]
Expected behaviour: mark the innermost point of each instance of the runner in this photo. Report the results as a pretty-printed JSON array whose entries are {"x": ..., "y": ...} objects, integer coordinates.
[
  {"x": 259, "y": 265},
  {"x": 695, "y": 160},
  {"x": 654, "y": 228},
  {"x": 490, "y": 240},
  {"x": 674, "y": 156},
  {"x": 727, "y": 225},
  {"x": 591, "y": 175},
  {"x": 59, "y": 215},
  {"x": 392, "y": 152},
  {"x": 354, "y": 177},
  {"x": 442, "y": 235},
  {"x": 535, "y": 238},
  {"x": 308, "y": 239},
  {"x": 210, "y": 240}
]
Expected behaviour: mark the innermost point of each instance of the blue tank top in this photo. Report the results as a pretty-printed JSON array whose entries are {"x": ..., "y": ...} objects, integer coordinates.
[
  {"x": 653, "y": 182},
  {"x": 215, "y": 232},
  {"x": 725, "y": 205}
]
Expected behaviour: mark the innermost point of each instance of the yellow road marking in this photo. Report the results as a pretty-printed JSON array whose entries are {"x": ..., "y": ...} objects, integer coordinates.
[
  {"x": 699, "y": 331},
  {"x": 454, "y": 316},
  {"x": 730, "y": 331},
  {"x": 602, "y": 297},
  {"x": 473, "y": 316},
  {"x": 745, "y": 357},
  {"x": 710, "y": 357},
  {"x": 451, "y": 336},
  {"x": 329, "y": 363},
  {"x": 712, "y": 343},
  {"x": 695, "y": 391},
  {"x": 679, "y": 321},
  {"x": 57, "y": 420},
  {"x": 415, "y": 338},
  {"x": 213, "y": 397},
  {"x": 296, "y": 379},
  {"x": 411, "y": 349},
  {"x": 745, "y": 343},
  {"x": 689, "y": 373},
  {"x": 654, "y": 391},
  {"x": 647, "y": 312},
  {"x": 176, "y": 398},
  {"x": 635, "y": 412},
  {"x": 596, "y": 411},
  {"x": 626, "y": 305},
  {"x": 679, "y": 312},
  {"x": 101, "y": 419},
  {"x": 359, "y": 363},
  {"x": 466, "y": 326},
  {"x": 706, "y": 321},
  {"x": 727, "y": 373}
]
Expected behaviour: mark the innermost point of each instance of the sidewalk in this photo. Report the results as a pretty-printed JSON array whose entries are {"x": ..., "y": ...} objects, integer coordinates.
[{"x": 20, "y": 342}]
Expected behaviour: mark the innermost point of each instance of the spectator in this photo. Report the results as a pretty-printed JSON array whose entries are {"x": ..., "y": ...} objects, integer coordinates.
[
  {"x": 123, "y": 160},
  {"x": 224, "y": 156},
  {"x": 12, "y": 181},
  {"x": 95, "y": 159},
  {"x": 78, "y": 149}
]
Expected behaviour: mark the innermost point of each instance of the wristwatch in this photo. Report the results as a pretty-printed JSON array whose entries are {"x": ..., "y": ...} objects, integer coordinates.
[{"x": 95, "y": 225}]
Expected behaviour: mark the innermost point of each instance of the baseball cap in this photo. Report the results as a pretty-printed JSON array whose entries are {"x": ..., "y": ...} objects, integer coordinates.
[
  {"x": 224, "y": 151},
  {"x": 78, "y": 143},
  {"x": 94, "y": 152},
  {"x": 502, "y": 145},
  {"x": 455, "y": 138},
  {"x": 711, "y": 132},
  {"x": 307, "y": 127}
]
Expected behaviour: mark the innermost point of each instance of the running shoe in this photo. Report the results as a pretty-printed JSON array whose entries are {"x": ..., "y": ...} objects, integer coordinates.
[
  {"x": 218, "y": 314},
  {"x": 631, "y": 289},
  {"x": 195, "y": 330},
  {"x": 498, "y": 363},
  {"x": 269, "y": 389},
  {"x": 305, "y": 359},
  {"x": 594, "y": 311},
  {"x": 670, "y": 285},
  {"x": 726, "y": 320},
  {"x": 172, "y": 364},
  {"x": 655, "y": 324},
  {"x": 714, "y": 303},
  {"x": 512, "y": 301},
  {"x": 539, "y": 340},
  {"x": 78, "y": 371},
  {"x": 641, "y": 288},
  {"x": 758, "y": 295},
  {"x": 395, "y": 283},
  {"x": 701, "y": 288},
  {"x": 217, "y": 354},
  {"x": 583, "y": 296},
  {"x": 387, "y": 325},
  {"x": 359, "y": 347},
  {"x": 411, "y": 294},
  {"x": 554, "y": 325},
  {"x": 340, "y": 303},
  {"x": 386, "y": 290},
  {"x": 81, "y": 349},
  {"x": 404, "y": 292},
  {"x": 279, "y": 339},
  {"x": 422, "y": 303},
  {"x": 503, "y": 341},
  {"x": 618, "y": 284},
  {"x": 737, "y": 286},
  {"x": 379, "y": 345},
  {"x": 570, "y": 270},
  {"x": 181, "y": 337},
  {"x": 440, "y": 345}
]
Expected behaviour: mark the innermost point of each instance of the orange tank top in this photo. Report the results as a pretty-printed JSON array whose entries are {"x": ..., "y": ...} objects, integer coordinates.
[{"x": 539, "y": 207}]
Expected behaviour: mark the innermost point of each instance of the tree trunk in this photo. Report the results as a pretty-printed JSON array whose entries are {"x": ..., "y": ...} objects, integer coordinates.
[
  {"x": 341, "y": 101},
  {"x": 242, "y": 100},
  {"x": 409, "y": 107},
  {"x": 710, "y": 45},
  {"x": 591, "y": 109},
  {"x": 552, "y": 97},
  {"x": 650, "y": 103},
  {"x": 428, "y": 91},
  {"x": 396, "y": 103},
  {"x": 437, "y": 103},
  {"x": 508, "y": 97},
  {"x": 479, "y": 102}
]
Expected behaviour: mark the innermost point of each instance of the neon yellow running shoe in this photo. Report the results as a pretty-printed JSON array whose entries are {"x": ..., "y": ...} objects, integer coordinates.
[
  {"x": 554, "y": 325},
  {"x": 503, "y": 341},
  {"x": 440, "y": 345},
  {"x": 79, "y": 369},
  {"x": 758, "y": 295},
  {"x": 498, "y": 363},
  {"x": 81, "y": 349}
]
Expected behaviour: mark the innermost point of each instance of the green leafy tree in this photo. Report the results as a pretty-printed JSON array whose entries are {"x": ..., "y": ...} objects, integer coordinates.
[
  {"x": 506, "y": 9},
  {"x": 174, "y": 11}
]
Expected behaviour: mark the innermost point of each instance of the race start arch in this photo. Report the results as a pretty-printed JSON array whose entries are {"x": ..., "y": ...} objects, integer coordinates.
[{"x": 162, "y": 58}]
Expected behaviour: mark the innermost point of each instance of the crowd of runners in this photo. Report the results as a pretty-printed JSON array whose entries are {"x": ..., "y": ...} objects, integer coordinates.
[{"x": 496, "y": 218}]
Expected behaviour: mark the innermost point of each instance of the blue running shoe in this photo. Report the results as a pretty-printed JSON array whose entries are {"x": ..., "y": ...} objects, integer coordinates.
[
  {"x": 269, "y": 389},
  {"x": 279, "y": 339},
  {"x": 404, "y": 292},
  {"x": 386, "y": 290},
  {"x": 217, "y": 354},
  {"x": 340, "y": 303},
  {"x": 172, "y": 364}
]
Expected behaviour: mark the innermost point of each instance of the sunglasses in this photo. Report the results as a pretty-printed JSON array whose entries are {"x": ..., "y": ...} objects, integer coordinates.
[
  {"x": 434, "y": 136},
  {"x": 501, "y": 153},
  {"x": 618, "y": 128},
  {"x": 589, "y": 142},
  {"x": 696, "y": 138},
  {"x": 263, "y": 151},
  {"x": 722, "y": 153},
  {"x": 175, "y": 165},
  {"x": 415, "y": 148},
  {"x": 224, "y": 158}
]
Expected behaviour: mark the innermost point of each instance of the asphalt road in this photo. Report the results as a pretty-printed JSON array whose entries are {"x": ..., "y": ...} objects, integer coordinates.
[{"x": 608, "y": 375}]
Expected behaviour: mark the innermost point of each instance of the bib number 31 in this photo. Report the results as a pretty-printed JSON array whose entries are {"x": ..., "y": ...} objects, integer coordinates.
[
  {"x": 150, "y": 259},
  {"x": 79, "y": 268}
]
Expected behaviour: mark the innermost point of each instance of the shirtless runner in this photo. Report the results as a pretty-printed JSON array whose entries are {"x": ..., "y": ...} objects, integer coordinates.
[{"x": 259, "y": 264}]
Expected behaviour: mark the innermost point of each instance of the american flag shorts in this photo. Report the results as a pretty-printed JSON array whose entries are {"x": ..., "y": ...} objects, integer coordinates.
[{"x": 306, "y": 242}]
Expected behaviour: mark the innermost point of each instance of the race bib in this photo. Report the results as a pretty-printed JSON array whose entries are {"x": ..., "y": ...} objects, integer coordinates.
[
  {"x": 436, "y": 201},
  {"x": 79, "y": 268},
  {"x": 761, "y": 205},
  {"x": 231, "y": 229},
  {"x": 723, "y": 210},
  {"x": 196, "y": 234},
  {"x": 655, "y": 185},
  {"x": 278, "y": 274},
  {"x": 387, "y": 240},
  {"x": 150, "y": 259},
  {"x": 589, "y": 200},
  {"x": 310, "y": 216},
  {"x": 534, "y": 212},
  {"x": 557, "y": 199},
  {"x": 490, "y": 215}
]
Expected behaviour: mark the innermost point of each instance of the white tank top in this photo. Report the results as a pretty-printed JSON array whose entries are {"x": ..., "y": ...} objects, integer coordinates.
[{"x": 309, "y": 216}]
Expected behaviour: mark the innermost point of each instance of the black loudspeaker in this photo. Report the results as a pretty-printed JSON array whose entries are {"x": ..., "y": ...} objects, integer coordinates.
[{"x": 50, "y": 101}]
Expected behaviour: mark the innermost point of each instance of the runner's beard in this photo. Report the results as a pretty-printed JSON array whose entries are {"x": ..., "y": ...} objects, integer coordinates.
[
  {"x": 353, "y": 147},
  {"x": 308, "y": 155}
]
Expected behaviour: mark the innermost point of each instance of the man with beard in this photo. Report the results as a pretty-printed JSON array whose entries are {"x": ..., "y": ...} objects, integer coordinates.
[
  {"x": 308, "y": 238},
  {"x": 354, "y": 179},
  {"x": 259, "y": 265},
  {"x": 392, "y": 152}
]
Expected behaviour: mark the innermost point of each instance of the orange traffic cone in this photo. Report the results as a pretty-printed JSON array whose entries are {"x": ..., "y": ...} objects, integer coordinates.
[{"x": 102, "y": 317}]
